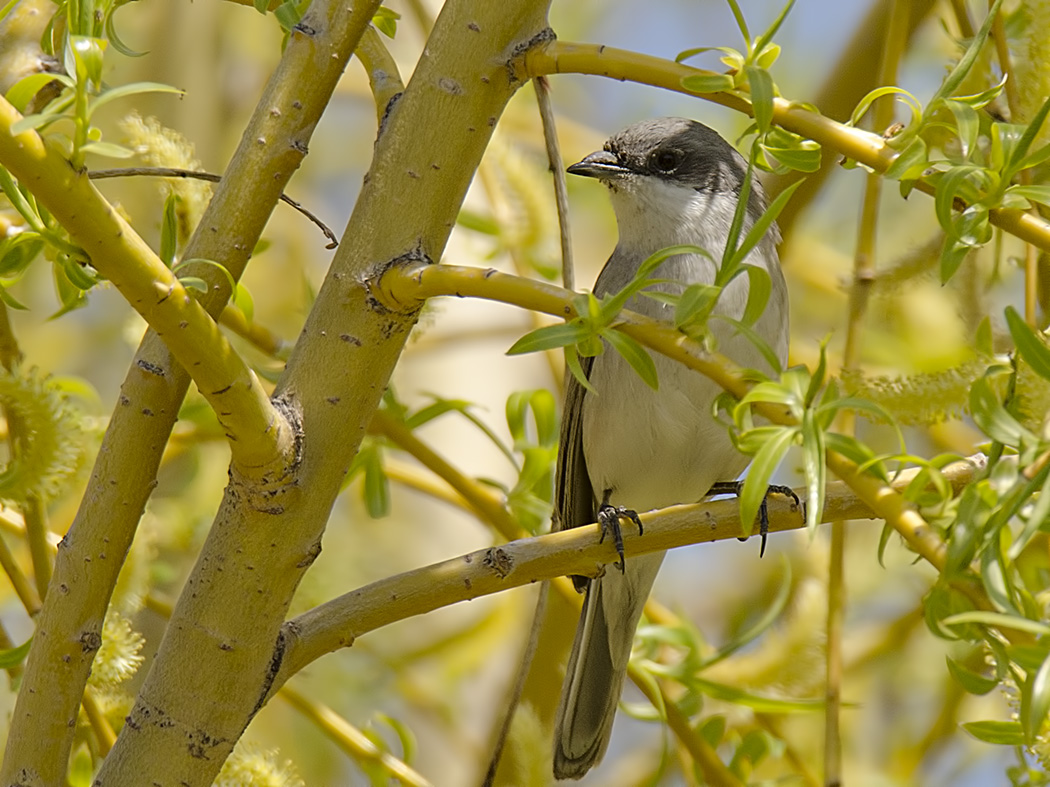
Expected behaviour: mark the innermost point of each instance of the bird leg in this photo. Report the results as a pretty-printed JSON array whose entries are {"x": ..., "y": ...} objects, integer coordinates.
[
  {"x": 609, "y": 517},
  {"x": 735, "y": 487}
]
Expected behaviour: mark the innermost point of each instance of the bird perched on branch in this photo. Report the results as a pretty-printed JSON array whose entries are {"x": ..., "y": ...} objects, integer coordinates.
[{"x": 626, "y": 447}]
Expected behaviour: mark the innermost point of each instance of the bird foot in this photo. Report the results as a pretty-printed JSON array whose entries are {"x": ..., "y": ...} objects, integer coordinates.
[
  {"x": 735, "y": 487},
  {"x": 609, "y": 517}
]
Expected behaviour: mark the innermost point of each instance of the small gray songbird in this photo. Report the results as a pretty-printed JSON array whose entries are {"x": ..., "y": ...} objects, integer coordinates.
[{"x": 629, "y": 448}]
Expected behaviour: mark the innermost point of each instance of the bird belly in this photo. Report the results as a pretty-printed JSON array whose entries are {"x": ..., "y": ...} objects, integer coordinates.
[{"x": 654, "y": 448}]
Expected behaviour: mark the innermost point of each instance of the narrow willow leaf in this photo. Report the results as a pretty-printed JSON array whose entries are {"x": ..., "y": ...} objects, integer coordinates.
[
  {"x": 572, "y": 361},
  {"x": 953, "y": 255},
  {"x": 910, "y": 162},
  {"x": 759, "y": 343},
  {"x": 169, "y": 230},
  {"x": 762, "y": 93},
  {"x": 1006, "y": 733},
  {"x": 1034, "y": 351},
  {"x": 815, "y": 470},
  {"x": 1027, "y": 138},
  {"x": 968, "y": 125},
  {"x": 865, "y": 103},
  {"x": 992, "y": 418},
  {"x": 999, "y": 620},
  {"x": 108, "y": 149},
  {"x": 548, "y": 337},
  {"x": 764, "y": 40},
  {"x": 1040, "y": 194},
  {"x": 15, "y": 656},
  {"x": 972, "y": 682},
  {"x": 720, "y": 691},
  {"x": 131, "y": 89},
  {"x": 765, "y": 221},
  {"x": 1035, "y": 710},
  {"x": 636, "y": 355},
  {"x": 962, "y": 68},
  {"x": 707, "y": 83},
  {"x": 756, "y": 484}
]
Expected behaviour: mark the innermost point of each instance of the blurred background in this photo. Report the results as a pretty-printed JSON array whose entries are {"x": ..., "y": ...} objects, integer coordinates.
[{"x": 444, "y": 677}]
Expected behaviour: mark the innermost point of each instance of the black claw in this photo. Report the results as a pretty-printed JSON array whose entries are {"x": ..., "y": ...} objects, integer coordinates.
[
  {"x": 735, "y": 487},
  {"x": 609, "y": 517}
]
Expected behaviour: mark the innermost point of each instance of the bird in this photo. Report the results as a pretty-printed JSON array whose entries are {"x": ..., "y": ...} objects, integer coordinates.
[{"x": 625, "y": 447}]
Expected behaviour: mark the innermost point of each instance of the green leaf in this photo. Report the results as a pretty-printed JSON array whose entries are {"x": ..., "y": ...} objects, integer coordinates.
[
  {"x": 962, "y": 68},
  {"x": 194, "y": 283},
  {"x": 815, "y": 470},
  {"x": 761, "y": 227},
  {"x": 23, "y": 91},
  {"x": 1027, "y": 138},
  {"x": 992, "y": 418},
  {"x": 972, "y": 682},
  {"x": 636, "y": 355},
  {"x": 967, "y": 123},
  {"x": 376, "y": 489},
  {"x": 262, "y": 6},
  {"x": 548, "y": 337},
  {"x": 108, "y": 149},
  {"x": 131, "y": 89},
  {"x": 1040, "y": 194},
  {"x": 720, "y": 691},
  {"x": 242, "y": 299},
  {"x": 952, "y": 185},
  {"x": 15, "y": 656},
  {"x": 910, "y": 162},
  {"x": 801, "y": 156},
  {"x": 385, "y": 21},
  {"x": 572, "y": 361},
  {"x": 1035, "y": 711},
  {"x": 169, "y": 230},
  {"x": 707, "y": 83},
  {"x": 765, "y": 463},
  {"x": 694, "y": 306},
  {"x": 287, "y": 15},
  {"x": 865, "y": 103},
  {"x": 114, "y": 37},
  {"x": 769, "y": 355},
  {"x": 953, "y": 254},
  {"x": 741, "y": 23},
  {"x": 1006, "y": 733},
  {"x": 999, "y": 620},
  {"x": 762, "y": 93},
  {"x": 1033, "y": 349},
  {"x": 765, "y": 39}
]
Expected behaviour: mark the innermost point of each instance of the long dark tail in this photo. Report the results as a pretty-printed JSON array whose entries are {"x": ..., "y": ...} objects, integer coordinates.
[{"x": 598, "y": 664}]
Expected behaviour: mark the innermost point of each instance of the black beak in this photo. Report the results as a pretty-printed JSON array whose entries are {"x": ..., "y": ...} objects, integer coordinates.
[{"x": 602, "y": 165}]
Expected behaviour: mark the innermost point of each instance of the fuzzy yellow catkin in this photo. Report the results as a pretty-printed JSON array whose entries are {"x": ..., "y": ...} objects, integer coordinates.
[
  {"x": 919, "y": 398},
  {"x": 163, "y": 147},
  {"x": 120, "y": 656},
  {"x": 252, "y": 766}
]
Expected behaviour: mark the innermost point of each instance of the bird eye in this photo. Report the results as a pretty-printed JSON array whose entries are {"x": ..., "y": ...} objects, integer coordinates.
[{"x": 666, "y": 160}]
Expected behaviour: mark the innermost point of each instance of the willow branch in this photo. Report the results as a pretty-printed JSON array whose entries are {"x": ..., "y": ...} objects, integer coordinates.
[{"x": 337, "y": 623}]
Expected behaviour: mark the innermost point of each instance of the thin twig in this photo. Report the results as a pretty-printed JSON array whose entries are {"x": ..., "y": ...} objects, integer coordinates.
[
  {"x": 175, "y": 172},
  {"x": 351, "y": 740},
  {"x": 557, "y": 165}
]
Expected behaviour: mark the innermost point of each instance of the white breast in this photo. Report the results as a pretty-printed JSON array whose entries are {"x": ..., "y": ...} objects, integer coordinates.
[{"x": 658, "y": 448}]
